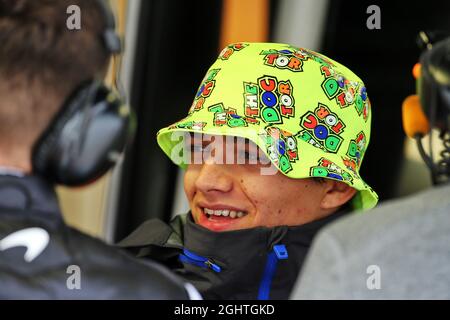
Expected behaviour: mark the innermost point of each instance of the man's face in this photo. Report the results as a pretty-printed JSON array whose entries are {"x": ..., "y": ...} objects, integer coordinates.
[{"x": 225, "y": 197}]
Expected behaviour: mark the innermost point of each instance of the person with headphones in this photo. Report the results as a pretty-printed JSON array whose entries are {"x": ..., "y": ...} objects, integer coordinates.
[
  {"x": 59, "y": 124},
  {"x": 401, "y": 250}
]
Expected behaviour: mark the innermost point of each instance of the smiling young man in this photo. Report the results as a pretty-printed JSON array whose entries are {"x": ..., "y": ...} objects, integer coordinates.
[
  {"x": 238, "y": 195},
  {"x": 272, "y": 147}
]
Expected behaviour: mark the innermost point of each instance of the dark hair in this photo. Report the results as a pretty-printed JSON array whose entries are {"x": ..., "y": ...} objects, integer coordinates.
[
  {"x": 42, "y": 62},
  {"x": 319, "y": 179}
]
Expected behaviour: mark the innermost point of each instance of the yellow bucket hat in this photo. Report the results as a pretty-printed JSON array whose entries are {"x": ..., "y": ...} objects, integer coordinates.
[{"x": 314, "y": 113}]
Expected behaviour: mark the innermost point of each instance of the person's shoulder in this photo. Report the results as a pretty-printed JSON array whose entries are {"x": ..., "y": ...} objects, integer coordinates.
[
  {"x": 393, "y": 219},
  {"x": 405, "y": 239},
  {"x": 134, "y": 278}
]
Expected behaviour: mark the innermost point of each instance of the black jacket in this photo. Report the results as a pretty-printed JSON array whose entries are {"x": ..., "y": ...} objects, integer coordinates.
[
  {"x": 258, "y": 263},
  {"x": 32, "y": 268}
]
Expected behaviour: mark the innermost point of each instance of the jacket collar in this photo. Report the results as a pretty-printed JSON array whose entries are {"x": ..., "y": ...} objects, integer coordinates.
[
  {"x": 28, "y": 193},
  {"x": 243, "y": 258},
  {"x": 227, "y": 265}
]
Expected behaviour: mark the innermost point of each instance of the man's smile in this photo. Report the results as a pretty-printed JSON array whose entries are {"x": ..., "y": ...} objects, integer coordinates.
[
  {"x": 219, "y": 217},
  {"x": 224, "y": 213}
]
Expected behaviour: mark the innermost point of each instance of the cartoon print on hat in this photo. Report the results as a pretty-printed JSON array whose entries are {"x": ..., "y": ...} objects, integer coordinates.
[
  {"x": 328, "y": 169},
  {"x": 205, "y": 90},
  {"x": 193, "y": 125},
  {"x": 284, "y": 59},
  {"x": 345, "y": 92},
  {"x": 226, "y": 116},
  {"x": 308, "y": 113},
  {"x": 356, "y": 150},
  {"x": 281, "y": 147},
  {"x": 269, "y": 99},
  {"x": 226, "y": 53},
  {"x": 292, "y": 58},
  {"x": 322, "y": 129}
]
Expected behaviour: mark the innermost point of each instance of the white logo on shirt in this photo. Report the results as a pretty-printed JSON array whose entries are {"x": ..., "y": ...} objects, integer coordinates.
[{"x": 34, "y": 239}]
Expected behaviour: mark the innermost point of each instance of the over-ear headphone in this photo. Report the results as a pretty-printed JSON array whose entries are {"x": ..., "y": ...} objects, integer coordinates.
[
  {"x": 430, "y": 107},
  {"x": 88, "y": 134},
  {"x": 433, "y": 84}
]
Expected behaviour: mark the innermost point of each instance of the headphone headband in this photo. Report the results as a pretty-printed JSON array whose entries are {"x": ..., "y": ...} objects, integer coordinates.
[{"x": 110, "y": 38}]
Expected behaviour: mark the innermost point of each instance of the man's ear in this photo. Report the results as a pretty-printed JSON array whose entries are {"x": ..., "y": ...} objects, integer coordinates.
[{"x": 336, "y": 194}]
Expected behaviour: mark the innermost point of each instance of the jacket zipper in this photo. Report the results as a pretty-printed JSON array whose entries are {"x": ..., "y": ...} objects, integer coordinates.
[
  {"x": 279, "y": 252},
  {"x": 195, "y": 259}
]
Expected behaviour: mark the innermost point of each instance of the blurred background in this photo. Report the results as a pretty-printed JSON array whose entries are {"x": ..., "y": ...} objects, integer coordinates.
[{"x": 169, "y": 45}]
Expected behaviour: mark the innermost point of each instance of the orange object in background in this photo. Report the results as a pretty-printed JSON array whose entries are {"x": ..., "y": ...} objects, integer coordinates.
[
  {"x": 416, "y": 70},
  {"x": 415, "y": 121},
  {"x": 244, "y": 21}
]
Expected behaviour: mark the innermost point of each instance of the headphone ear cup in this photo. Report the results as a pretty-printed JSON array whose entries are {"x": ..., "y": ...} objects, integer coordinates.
[
  {"x": 47, "y": 150},
  {"x": 433, "y": 85},
  {"x": 85, "y": 137},
  {"x": 414, "y": 119}
]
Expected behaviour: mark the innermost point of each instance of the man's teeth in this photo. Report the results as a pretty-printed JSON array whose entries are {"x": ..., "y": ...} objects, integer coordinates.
[{"x": 226, "y": 213}]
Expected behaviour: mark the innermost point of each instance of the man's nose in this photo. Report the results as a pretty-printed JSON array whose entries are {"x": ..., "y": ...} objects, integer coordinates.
[{"x": 214, "y": 178}]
